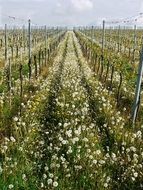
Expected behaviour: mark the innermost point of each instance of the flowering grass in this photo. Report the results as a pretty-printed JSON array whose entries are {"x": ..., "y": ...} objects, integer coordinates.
[{"x": 71, "y": 135}]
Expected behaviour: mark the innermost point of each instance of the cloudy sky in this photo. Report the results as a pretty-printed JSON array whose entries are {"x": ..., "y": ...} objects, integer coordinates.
[{"x": 67, "y": 12}]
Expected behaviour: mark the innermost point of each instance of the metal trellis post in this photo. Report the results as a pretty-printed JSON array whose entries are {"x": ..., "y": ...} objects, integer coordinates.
[
  {"x": 138, "y": 89},
  {"x": 103, "y": 36}
]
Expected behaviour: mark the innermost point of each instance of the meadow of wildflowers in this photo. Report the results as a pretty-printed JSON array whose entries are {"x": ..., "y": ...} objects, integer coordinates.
[{"x": 71, "y": 135}]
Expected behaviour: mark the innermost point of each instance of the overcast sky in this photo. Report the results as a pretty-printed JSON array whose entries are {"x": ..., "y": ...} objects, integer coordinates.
[{"x": 68, "y": 12}]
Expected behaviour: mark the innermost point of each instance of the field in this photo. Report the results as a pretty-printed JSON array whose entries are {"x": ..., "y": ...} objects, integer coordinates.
[{"x": 66, "y": 104}]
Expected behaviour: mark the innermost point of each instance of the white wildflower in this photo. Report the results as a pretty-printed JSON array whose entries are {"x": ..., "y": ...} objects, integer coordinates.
[{"x": 55, "y": 184}]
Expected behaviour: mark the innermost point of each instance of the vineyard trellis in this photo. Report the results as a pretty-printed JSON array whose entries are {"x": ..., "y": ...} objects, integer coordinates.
[
  {"x": 90, "y": 35},
  {"x": 68, "y": 102}
]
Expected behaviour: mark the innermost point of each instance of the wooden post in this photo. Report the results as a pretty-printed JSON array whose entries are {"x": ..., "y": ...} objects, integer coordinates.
[
  {"x": 138, "y": 89},
  {"x": 112, "y": 75},
  {"x": 42, "y": 56},
  {"x": 90, "y": 50},
  {"x": 9, "y": 80},
  {"x": 39, "y": 62},
  {"x": 102, "y": 67},
  {"x": 92, "y": 33},
  {"x": 134, "y": 43},
  {"x": 107, "y": 71},
  {"x": 21, "y": 80},
  {"x": 119, "y": 39},
  {"x": 12, "y": 52},
  {"x": 29, "y": 39},
  {"x": 17, "y": 51},
  {"x": 1, "y": 43},
  {"x": 48, "y": 54},
  {"x": 119, "y": 89},
  {"x": 23, "y": 36},
  {"x": 35, "y": 64},
  {"x": 45, "y": 45},
  {"x": 29, "y": 47},
  {"x": 6, "y": 44},
  {"x": 135, "y": 37},
  {"x": 94, "y": 30}
]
